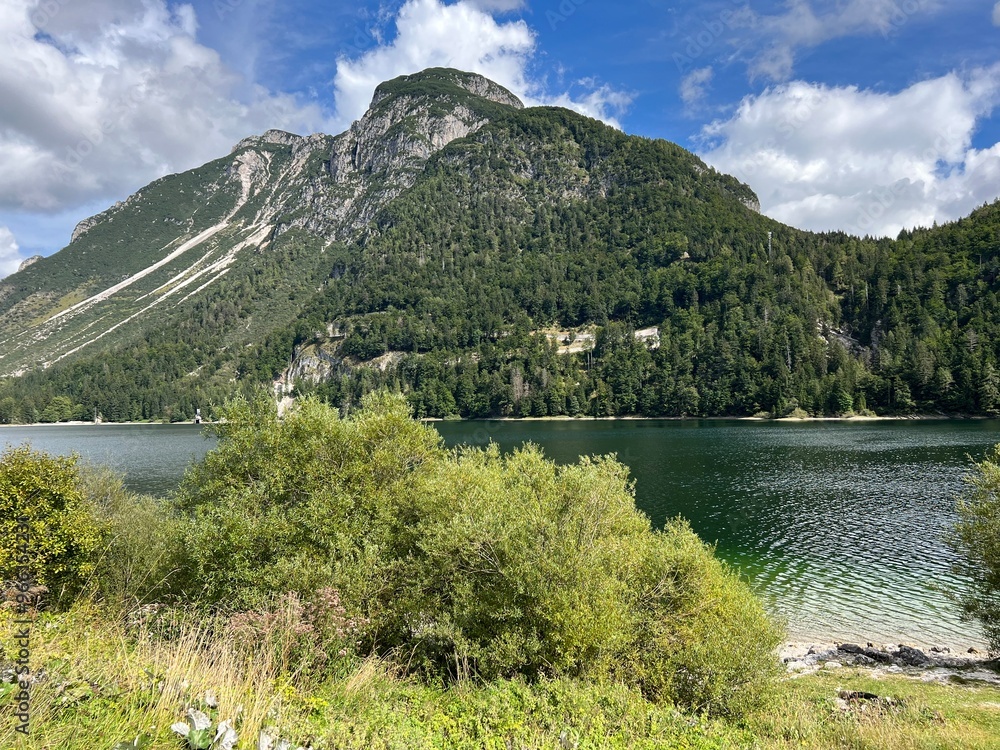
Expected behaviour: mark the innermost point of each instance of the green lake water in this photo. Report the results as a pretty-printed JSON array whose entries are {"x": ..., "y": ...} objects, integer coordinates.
[{"x": 837, "y": 525}]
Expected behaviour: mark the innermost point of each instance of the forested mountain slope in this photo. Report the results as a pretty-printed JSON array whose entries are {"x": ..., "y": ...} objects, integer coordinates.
[{"x": 492, "y": 260}]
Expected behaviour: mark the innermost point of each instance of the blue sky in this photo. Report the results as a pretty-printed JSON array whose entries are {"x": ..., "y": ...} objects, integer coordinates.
[{"x": 866, "y": 116}]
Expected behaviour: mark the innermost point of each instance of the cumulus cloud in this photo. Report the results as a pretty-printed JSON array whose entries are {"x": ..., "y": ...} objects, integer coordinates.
[
  {"x": 826, "y": 158},
  {"x": 10, "y": 256},
  {"x": 808, "y": 23},
  {"x": 466, "y": 36},
  {"x": 694, "y": 86},
  {"x": 102, "y": 97}
]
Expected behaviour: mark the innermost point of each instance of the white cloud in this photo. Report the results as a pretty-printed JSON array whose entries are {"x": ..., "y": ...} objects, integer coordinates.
[
  {"x": 10, "y": 257},
  {"x": 464, "y": 36},
  {"x": 694, "y": 86},
  {"x": 100, "y": 98},
  {"x": 599, "y": 102},
  {"x": 826, "y": 158},
  {"x": 497, "y": 6},
  {"x": 996, "y": 14},
  {"x": 808, "y": 23}
]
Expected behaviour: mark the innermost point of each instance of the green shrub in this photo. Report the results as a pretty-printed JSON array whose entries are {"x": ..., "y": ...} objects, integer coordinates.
[
  {"x": 140, "y": 558},
  {"x": 47, "y": 530},
  {"x": 300, "y": 503},
  {"x": 976, "y": 538},
  {"x": 516, "y": 566},
  {"x": 708, "y": 643},
  {"x": 519, "y": 567},
  {"x": 469, "y": 562}
]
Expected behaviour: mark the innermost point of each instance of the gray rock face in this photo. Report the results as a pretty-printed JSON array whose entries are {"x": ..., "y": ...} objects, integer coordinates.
[
  {"x": 409, "y": 120},
  {"x": 333, "y": 185},
  {"x": 29, "y": 261},
  {"x": 83, "y": 226},
  {"x": 271, "y": 136}
]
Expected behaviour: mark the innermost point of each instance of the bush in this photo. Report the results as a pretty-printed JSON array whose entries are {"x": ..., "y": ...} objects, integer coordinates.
[
  {"x": 710, "y": 644},
  {"x": 469, "y": 562},
  {"x": 300, "y": 503},
  {"x": 47, "y": 530},
  {"x": 140, "y": 558},
  {"x": 976, "y": 538},
  {"x": 520, "y": 567}
]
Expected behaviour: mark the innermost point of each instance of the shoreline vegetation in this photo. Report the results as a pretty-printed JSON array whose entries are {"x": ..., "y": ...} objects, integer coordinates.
[
  {"x": 798, "y": 640},
  {"x": 856, "y": 418},
  {"x": 325, "y": 582}
]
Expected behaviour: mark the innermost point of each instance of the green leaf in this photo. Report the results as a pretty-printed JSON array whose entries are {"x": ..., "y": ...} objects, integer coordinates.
[{"x": 200, "y": 739}]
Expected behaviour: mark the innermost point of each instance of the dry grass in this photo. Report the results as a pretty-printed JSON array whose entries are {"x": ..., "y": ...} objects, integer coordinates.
[{"x": 105, "y": 683}]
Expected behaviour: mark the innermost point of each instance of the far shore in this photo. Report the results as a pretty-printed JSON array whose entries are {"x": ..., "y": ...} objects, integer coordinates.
[
  {"x": 564, "y": 418},
  {"x": 852, "y": 418}
]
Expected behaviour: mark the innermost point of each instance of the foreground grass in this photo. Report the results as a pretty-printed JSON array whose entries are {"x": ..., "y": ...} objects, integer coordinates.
[{"x": 104, "y": 683}]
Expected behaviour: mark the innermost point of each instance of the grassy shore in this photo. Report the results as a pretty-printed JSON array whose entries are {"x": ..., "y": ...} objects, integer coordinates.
[{"x": 101, "y": 681}]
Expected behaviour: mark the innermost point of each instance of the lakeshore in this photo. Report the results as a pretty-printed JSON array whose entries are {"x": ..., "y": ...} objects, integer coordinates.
[
  {"x": 837, "y": 523},
  {"x": 848, "y": 419},
  {"x": 942, "y": 664}
]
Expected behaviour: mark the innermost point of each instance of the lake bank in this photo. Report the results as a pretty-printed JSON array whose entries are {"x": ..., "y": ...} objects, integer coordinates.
[
  {"x": 854, "y": 418},
  {"x": 836, "y": 524},
  {"x": 859, "y": 419},
  {"x": 943, "y": 664}
]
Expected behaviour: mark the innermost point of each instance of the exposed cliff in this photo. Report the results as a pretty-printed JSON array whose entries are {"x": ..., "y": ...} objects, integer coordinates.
[{"x": 175, "y": 239}]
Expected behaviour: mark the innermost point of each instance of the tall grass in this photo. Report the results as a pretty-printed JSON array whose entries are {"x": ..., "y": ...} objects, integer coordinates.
[
  {"x": 101, "y": 681},
  {"x": 104, "y": 679}
]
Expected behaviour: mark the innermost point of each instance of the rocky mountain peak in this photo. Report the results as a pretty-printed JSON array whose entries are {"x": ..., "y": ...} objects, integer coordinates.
[
  {"x": 413, "y": 116},
  {"x": 439, "y": 82},
  {"x": 273, "y": 136},
  {"x": 28, "y": 262}
]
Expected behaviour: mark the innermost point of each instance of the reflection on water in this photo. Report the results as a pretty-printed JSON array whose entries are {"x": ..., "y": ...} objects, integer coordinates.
[{"x": 837, "y": 525}]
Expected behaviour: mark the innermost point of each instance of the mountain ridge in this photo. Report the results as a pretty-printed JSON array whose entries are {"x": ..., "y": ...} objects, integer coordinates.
[
  {"x": 270, "y": 184},
  {"x": 427, "y": 247}
]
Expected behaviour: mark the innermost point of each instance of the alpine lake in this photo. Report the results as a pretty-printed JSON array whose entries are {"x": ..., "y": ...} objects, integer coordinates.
[{"x": 838, "y": 525}]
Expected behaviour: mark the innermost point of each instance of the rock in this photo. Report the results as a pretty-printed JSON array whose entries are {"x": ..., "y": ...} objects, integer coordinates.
[
  {"x": 882, "y": 657},
  {"x": 911, "y": 657},
  {"x": 83, "y": 226},
  {"x": 973, "y": 651},
  {"x": 29, "y": 261},
  {"x": 864, "y": 661},
  {"x": 940, "y": 650},
  {"x": 851, "y": 648},
  {"x": 856, "y": 695},
  {"x": 833, "y": 665}
]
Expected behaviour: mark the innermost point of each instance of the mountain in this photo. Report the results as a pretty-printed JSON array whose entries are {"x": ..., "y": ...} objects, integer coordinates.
[{"x": 489, "y": 259}]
